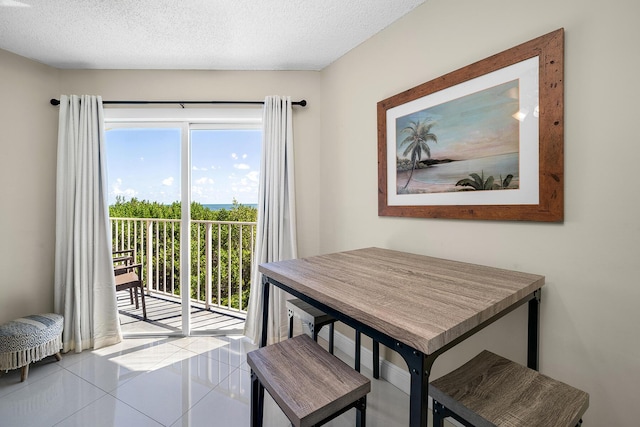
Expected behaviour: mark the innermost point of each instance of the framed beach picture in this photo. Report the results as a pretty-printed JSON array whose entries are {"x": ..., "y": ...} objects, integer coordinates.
[{"x": 482, "y": 142}]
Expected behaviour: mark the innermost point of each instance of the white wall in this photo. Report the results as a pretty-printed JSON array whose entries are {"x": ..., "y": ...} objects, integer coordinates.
[
  {"x": 589, "y": 327},
  {"x": 28, "y": 138}
]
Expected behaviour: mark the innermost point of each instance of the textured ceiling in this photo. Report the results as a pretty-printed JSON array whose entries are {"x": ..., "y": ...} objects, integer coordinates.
[{"x": 192, "y": 34}]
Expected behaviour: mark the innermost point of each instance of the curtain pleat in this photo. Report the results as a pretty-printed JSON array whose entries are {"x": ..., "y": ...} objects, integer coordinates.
[
  {"x": 84, "y": 285},
  {"x": 276, "y": 229}
]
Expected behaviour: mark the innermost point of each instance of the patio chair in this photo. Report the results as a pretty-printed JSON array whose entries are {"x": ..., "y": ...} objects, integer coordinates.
[{"x": 128, "y": 275}]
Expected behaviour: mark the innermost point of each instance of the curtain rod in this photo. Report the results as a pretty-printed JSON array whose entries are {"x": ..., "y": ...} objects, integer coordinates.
[{"x": 302, "y": 103}]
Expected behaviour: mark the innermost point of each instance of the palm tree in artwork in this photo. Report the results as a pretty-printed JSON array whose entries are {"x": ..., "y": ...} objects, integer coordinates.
[{"x": 419, "y": 134}]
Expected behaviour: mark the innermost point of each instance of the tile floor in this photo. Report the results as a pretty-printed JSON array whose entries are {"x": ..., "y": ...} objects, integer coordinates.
[{"x": 195, "y": 381}]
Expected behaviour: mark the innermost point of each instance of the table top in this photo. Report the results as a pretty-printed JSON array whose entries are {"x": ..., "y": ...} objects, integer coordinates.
[{"x": 421, "y": 301}]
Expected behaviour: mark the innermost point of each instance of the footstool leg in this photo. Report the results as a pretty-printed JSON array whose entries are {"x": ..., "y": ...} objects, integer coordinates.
[
  {"x": 24, "y": 372},
  {"x": 58, "y": 356}
]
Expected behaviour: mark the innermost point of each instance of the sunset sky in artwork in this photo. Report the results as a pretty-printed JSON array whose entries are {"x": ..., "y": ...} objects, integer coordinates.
[{"x": 477, "y": 125}]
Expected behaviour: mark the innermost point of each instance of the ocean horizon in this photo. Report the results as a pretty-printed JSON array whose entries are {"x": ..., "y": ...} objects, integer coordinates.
[{"x": 227, "y": 206}]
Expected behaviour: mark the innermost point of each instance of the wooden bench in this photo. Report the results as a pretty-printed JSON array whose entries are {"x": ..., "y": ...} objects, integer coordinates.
[
  {"x": 315, "y": 319},
  {"x": 490, "y": 391},
  {"x": 309, "y": 384}
]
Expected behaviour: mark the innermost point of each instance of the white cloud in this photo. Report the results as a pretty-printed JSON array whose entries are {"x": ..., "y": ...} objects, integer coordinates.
[
  {"x": 253, "y": 176},
  {"x": 241, "y": 166},
  {"x": 118, "y": 191},
  {"x": 244, "y": 156},
  {"x": 204, "y": 180},
  {"x": 234, "y": 156},
  {"x": 168, "y": 181},
  {"x": 195, "y": 168}
]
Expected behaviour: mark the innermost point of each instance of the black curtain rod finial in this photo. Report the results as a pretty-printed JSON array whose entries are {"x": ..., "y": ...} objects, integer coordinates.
[{"x": 54, "y": 101}]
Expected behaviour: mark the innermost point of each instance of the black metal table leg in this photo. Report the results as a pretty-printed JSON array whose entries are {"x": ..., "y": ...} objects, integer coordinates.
[
  {"x": 358, "y": 351},
  {"x": 265, "y": 310},
  {"x": 419, "y": 366},
  {"x": 533, "y": 331},
  {"x": 376, "y": 359},
  {"x": 257, "y": 401}
]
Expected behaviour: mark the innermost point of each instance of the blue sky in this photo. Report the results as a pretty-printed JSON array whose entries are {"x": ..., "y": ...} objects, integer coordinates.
[
  {"x": 145, "y": 163},
  {"x": 477, "y": 125}
]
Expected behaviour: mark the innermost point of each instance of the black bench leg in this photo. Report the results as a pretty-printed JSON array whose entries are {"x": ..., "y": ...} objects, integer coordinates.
[
  {"x": 290, "y": 326},
  {"x": 331, "y": 328},
  {"x": 438, "y": 414},
  {"x": 361, "y": 412},
  {"x": 376, "y": 359},
  {"x": 257, "y": 401},
  {"x": 358, "y": 344}
]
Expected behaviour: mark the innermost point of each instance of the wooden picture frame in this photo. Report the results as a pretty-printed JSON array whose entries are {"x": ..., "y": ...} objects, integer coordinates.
[{"x": 497, "y": 124}]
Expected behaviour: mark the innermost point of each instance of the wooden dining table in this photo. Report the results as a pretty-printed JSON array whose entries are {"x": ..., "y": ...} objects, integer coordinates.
[{"x": 417, "y": 305}]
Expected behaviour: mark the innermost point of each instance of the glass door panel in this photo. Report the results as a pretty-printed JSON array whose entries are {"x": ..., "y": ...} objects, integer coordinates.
[
  {"x": 224, "y": 193},
  {"x": 144, "y": 194}
]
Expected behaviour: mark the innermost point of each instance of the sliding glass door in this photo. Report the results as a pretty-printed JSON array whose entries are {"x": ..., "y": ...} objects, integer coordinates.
[{"x": 182, "y": 194}]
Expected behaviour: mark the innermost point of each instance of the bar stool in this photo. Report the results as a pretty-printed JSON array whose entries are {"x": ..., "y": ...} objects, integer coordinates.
[
  {"x": 490, "y": 391},
  {"x": 316, "y": 319},
  {"x": 310, "y": 385}
]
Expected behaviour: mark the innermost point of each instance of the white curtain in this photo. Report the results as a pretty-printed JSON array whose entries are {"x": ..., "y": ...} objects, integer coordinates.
[
  {"x": 276, "y": 233},
  {"x": 84, "y": 282}
]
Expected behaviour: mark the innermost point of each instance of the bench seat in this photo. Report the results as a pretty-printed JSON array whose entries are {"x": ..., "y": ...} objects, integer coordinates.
[
  {"x": 490, "y": 391},
  {"x": 309, "y": 384}
]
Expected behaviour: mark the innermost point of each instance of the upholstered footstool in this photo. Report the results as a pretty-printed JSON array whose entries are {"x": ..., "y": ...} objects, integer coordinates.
[{"x": 29, "y": 339}]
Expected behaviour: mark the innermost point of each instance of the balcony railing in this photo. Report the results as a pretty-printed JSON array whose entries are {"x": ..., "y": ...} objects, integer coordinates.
[{"x": 221, "y": 258}]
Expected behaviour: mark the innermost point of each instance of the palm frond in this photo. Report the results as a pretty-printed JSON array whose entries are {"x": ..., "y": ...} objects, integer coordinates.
[
  {"x": 478, "y": 180},
  {"x": 466, "y": 182},
  {"x": 488, "y": 185}
]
